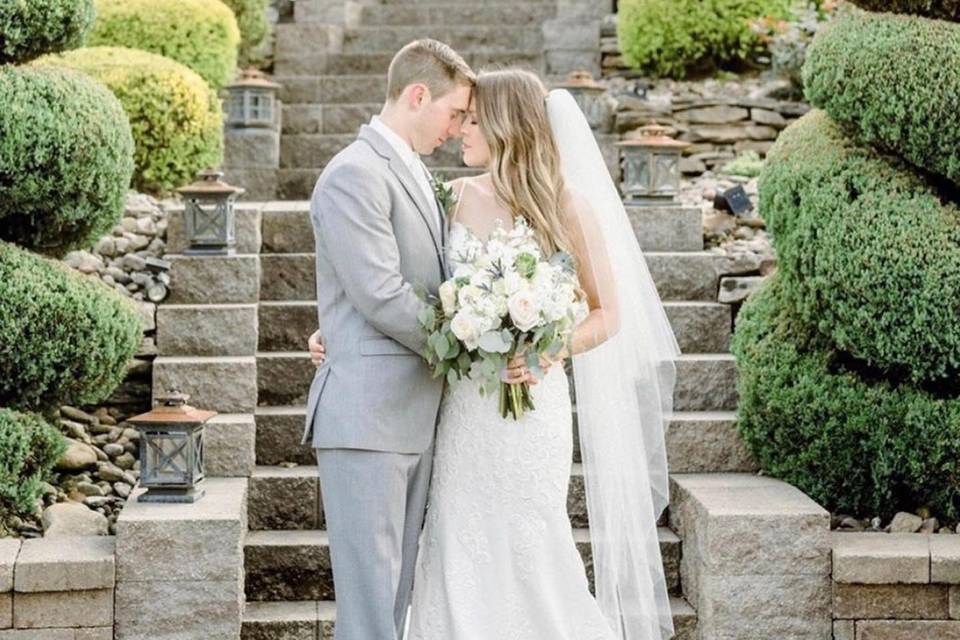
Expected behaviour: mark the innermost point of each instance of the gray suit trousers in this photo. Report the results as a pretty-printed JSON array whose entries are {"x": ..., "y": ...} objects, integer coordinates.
[{"x": 374, "y": 504}]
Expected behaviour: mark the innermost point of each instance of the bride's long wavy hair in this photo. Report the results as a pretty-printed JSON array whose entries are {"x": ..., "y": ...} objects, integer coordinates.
[{"x": 524, "y": 159}]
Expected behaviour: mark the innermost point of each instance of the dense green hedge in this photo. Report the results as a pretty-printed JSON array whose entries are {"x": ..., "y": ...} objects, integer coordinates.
[
  {"x": 869, "y": 253},
  {"x": 202, "y": 34},
  {"x": 667, "y": 37},
  {"x": 894, "y": 80},
  {"x": 65, "y": 338},
  {"x": 31, "y": 28},
  {"x": 176, "y": 118},
  {"x": 31, "y": 447},
  {"x": 252, "y": 21},
  {"x": 66, "y": 157},
  {"x": 942, "y": 9},
  {"x": 855, "y": 445}
]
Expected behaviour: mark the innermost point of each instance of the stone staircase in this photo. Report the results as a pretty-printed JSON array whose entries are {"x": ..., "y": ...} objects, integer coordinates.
[{"x": 332, "y": 61}]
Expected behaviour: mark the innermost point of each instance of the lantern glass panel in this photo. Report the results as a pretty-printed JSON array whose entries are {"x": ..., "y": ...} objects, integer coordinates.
[
  {"x": 198, "y": 455},
  {"x": 210, "y": 224},
  {"x": 235, "y": 113},
  {"x": 668, "y": 176},
  {"x": 261, "y": 107},
  {"x": 167, "y": 457}
]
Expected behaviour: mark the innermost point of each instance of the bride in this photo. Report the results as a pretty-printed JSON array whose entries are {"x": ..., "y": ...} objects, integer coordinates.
[{"x": 497, "y": 556}]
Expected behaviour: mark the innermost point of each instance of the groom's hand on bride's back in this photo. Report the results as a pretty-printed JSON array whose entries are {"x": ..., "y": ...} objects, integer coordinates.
[{"x": 318, "y": 352}]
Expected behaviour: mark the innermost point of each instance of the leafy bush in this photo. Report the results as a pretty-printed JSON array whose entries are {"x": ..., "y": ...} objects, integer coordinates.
[
  {"x": 65, "y": 338},
  {"x": 852, "y": 443},
  {"x": 66, "y": 157},
  {"x": 201, "y": 34},
  {"x": 252, "y": 21},
  {"x": 175, "y": 116},
  {"x": 893, "y": 81},
  {"x": 869, "y": 253},
  {"x": 942, "y": 9},
  {"x": 748, "y": 165},
  {"x": 33, "y": 28},
  {"x": 668, "y": 37},
  {"x": 29, "y": 448}
]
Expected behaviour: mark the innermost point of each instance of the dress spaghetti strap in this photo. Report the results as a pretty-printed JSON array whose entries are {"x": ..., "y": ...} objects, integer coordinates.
[{"x": 456, "y": 207}]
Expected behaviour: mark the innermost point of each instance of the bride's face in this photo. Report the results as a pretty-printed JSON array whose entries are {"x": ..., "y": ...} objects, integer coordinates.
[{"x": 476, "y": 152}]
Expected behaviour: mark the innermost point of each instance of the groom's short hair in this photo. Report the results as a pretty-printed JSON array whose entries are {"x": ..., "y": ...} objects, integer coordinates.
[{"x": 430, "y": 62}]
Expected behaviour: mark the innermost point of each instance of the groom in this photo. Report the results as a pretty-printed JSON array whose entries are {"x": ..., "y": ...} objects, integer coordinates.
[{"x": 372, "y": 407}]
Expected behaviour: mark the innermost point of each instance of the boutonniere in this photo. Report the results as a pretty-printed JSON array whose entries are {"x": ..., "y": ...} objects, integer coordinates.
[{"x": 444, "y": 194}]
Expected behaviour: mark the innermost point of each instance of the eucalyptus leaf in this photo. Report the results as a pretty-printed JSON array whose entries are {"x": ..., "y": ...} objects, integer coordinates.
[{"x": 494, "y": 342}]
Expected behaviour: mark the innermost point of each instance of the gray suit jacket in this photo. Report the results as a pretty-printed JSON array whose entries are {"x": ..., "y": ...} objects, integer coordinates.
[{"x": 377, "y": 237}]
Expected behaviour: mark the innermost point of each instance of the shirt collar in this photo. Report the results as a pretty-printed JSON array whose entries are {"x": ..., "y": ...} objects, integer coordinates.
[{"x": 401, "y": 146}]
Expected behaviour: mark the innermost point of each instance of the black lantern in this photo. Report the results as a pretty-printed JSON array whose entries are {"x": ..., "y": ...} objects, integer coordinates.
[
  {"x": 251, "y": 100},
  {"x": 587, "y": 92},
  {"x": 209, "y": 216},
  {"x": 651, "y": 166},
  {"x": 171, "y": 450}
]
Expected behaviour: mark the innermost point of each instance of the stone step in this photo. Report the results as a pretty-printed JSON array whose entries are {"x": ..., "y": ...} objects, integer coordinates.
[
  {"x": 700, "y": 327},
  {"x": 303, "y": 150},
  {"x": 499, "y": 37},
  {"x": 370, "y": 63},
  {"x": 207, "y": 329},
  {"x": 667, "y": 228},
  {"x": 297, "y": 184},
  {"x": 332, "y": 118},
  {"x": 285, "y": 565},
  {"x": 227, "y": 384},
  {"x": 679, "y": 276},
  {"x": 457, "y": 14},
  {"x": 315, "y": 620}
]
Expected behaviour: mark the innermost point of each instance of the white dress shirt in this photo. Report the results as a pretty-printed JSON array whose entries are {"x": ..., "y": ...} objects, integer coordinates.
[{"x": 413, "y": 162}]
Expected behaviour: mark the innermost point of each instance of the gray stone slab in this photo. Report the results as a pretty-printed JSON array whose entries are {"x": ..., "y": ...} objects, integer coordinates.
[
  {"x": 288, "y": 277},
  {"x": 868, "y": 558},
  {"x": 251, "y": 148},
  {"x": 86, "y": 608},
  {"x": 908, "y": 630},
  {"x": 6, "y": 610},
  {"x": 259, "y": 184},
  {"x": 230, "y": 445},
  {"x": 288, "y": 565},
  {"x": 179, "y": 610},
  {"x": 287, "y": 228},
  {"x": 285, "y": 498},
  {"x": 207, "y": 330},
  {"x": 284, "y": 378},
  {"x": 706, "y": 442},
  {"x": 9, "y": 550},
  {"x": 247, "y": 227},
  {"x": 891, "y": 601},
  {"x": 700, "y": 327},
  {"x": 844, "y": 630},
  {"x": 684, "y": 276},
  {"x": 705, "y": 382},
  {"x": 667, "y": 228},
  {"x": 64, "y": 563},
  {"x": 214, "y": 279},
  {"x": 279, "y": 430},
  {"x": 227, "y": 384},
  {"x": 294, "y": 40},
  {"x": 286, "y": 326},
  {"x": 287, "y": 620},
  {"x": 945, "y": 559}
]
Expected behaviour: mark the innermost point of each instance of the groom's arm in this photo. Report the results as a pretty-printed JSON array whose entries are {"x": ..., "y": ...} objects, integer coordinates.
[{"x": 352, "y": 209}]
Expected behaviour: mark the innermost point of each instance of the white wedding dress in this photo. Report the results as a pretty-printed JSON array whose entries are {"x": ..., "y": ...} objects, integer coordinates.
[{"x": 497, "y": 556}]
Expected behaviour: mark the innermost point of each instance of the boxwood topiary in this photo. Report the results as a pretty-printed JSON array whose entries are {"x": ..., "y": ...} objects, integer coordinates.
[
  {"x": 893, "y": 81},
  {"x": 65, "y": 338},
  {"x": 202, "y": 34},
  {"x": 667, "y": 37},
  {"x": 868, "y": 250},
  {"x": 817, "y": 419},
  {"x": 32, "y": 28},
  {"x": 176, "y": 118},
  {"x": 942, "y": 9},
  {"x": 252, "y": 21},
  {"x": 66, "y": 158},
  {"x": 29, "y": 449}
]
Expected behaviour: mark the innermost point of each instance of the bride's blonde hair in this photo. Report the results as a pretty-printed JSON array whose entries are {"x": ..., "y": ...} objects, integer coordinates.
[{"x": 524, "y": 159}]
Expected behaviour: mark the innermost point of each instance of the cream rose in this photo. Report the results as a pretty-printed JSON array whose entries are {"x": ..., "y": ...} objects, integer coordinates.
[{"x": 524, "y": 310}]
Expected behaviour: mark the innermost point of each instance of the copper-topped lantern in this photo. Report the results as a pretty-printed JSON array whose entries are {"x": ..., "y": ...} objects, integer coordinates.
[
  {"x": 208, "y": 212},
  {"x": 251, "y": 100},
  {"x": 171, "y": 450},
  {"x": 650, "y": 160},
  {"x": 587, "y": 93}
]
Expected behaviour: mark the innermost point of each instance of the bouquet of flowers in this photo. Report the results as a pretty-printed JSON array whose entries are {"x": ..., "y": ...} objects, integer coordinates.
[{"x": 503, "y": 300}]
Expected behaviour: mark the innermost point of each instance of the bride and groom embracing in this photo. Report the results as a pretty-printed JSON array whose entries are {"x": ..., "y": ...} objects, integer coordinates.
[{"x": 447, "y": 521}]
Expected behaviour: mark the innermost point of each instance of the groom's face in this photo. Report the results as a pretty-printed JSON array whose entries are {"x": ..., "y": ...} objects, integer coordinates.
[{"x": 438, "y": 119}]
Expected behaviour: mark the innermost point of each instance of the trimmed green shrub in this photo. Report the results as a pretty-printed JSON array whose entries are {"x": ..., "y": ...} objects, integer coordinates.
[
  {"x": 893, "y": 81},
  {"x": 942, "y": 9},
  {"x": 30, "y": 448},
  {"x": 66, "y": 158},
  {"x": 748, "y": 165},
  {"x": 32, "y": 28},
  {"x": 65, "y": 338},
  {"x": 853, "y": 443},
  {"x": 668, "y": 37},
  {"x": 202, "y": 34},
  {"x": 868, "y": 251},
  {"x": 175, "y": 116},
  {"x": 252, "y": 21}
]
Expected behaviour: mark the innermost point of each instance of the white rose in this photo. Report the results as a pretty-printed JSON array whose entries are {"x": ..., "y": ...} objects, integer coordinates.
[
  {"x": 513, "y": 282},
  {"x": 469, "y": 295},
  {"x": 524, "y": 310},
  {"x": 468, "y": 329},
  {"x": 463, "y": 271},
  {"x": 448, "y": 297}
]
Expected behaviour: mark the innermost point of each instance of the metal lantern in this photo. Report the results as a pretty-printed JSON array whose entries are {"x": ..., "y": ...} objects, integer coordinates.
[
  {"x": 171, "y": 450},
  {"x": 587, "y": 92},
  {"x": 651, "y": 166},
  {"x": 251, "y": 100},
  {"x": 208, "y": 211}
]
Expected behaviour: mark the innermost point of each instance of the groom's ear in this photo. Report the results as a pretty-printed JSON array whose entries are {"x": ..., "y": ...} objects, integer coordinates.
[{"x": 416, "y": 94}]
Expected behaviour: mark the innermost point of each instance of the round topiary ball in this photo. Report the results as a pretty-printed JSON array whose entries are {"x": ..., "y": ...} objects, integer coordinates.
[
  {"x": 854, "y": 443},
  {"x": 66, "y": 158},
  {"x": 65, "y": 338},
  {"x": 201, "y": 34},
  {"x": 176, "y": 118},
  {"x": 869, "y": 251},
  {"x": 893, "y": 81},
  {"x": 942, "y": 9},
  {"x": 33, "y": 28},
  {"x": 30, "y": 448},
  {"x": 252, "y": 20}
]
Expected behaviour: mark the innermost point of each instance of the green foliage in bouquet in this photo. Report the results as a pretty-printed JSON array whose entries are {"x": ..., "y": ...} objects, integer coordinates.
[
  {"x": 176, "y": 118},
  {"x": 818, "y": 419},
  {"x": 31, "y": 28},
  {"x": 869, "y": 251},
  {"x": 65, "y": 338},
  {"x": 201, "y": 34},
  {"x": 893, "y": 82},
  {"x": 942, "y": 9},
  {"x": 66, "y": 158},
  {"x": 669, "y": 37},
  {"x": 252, "y": 20},
  {"x": 29, "y": 448}
]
